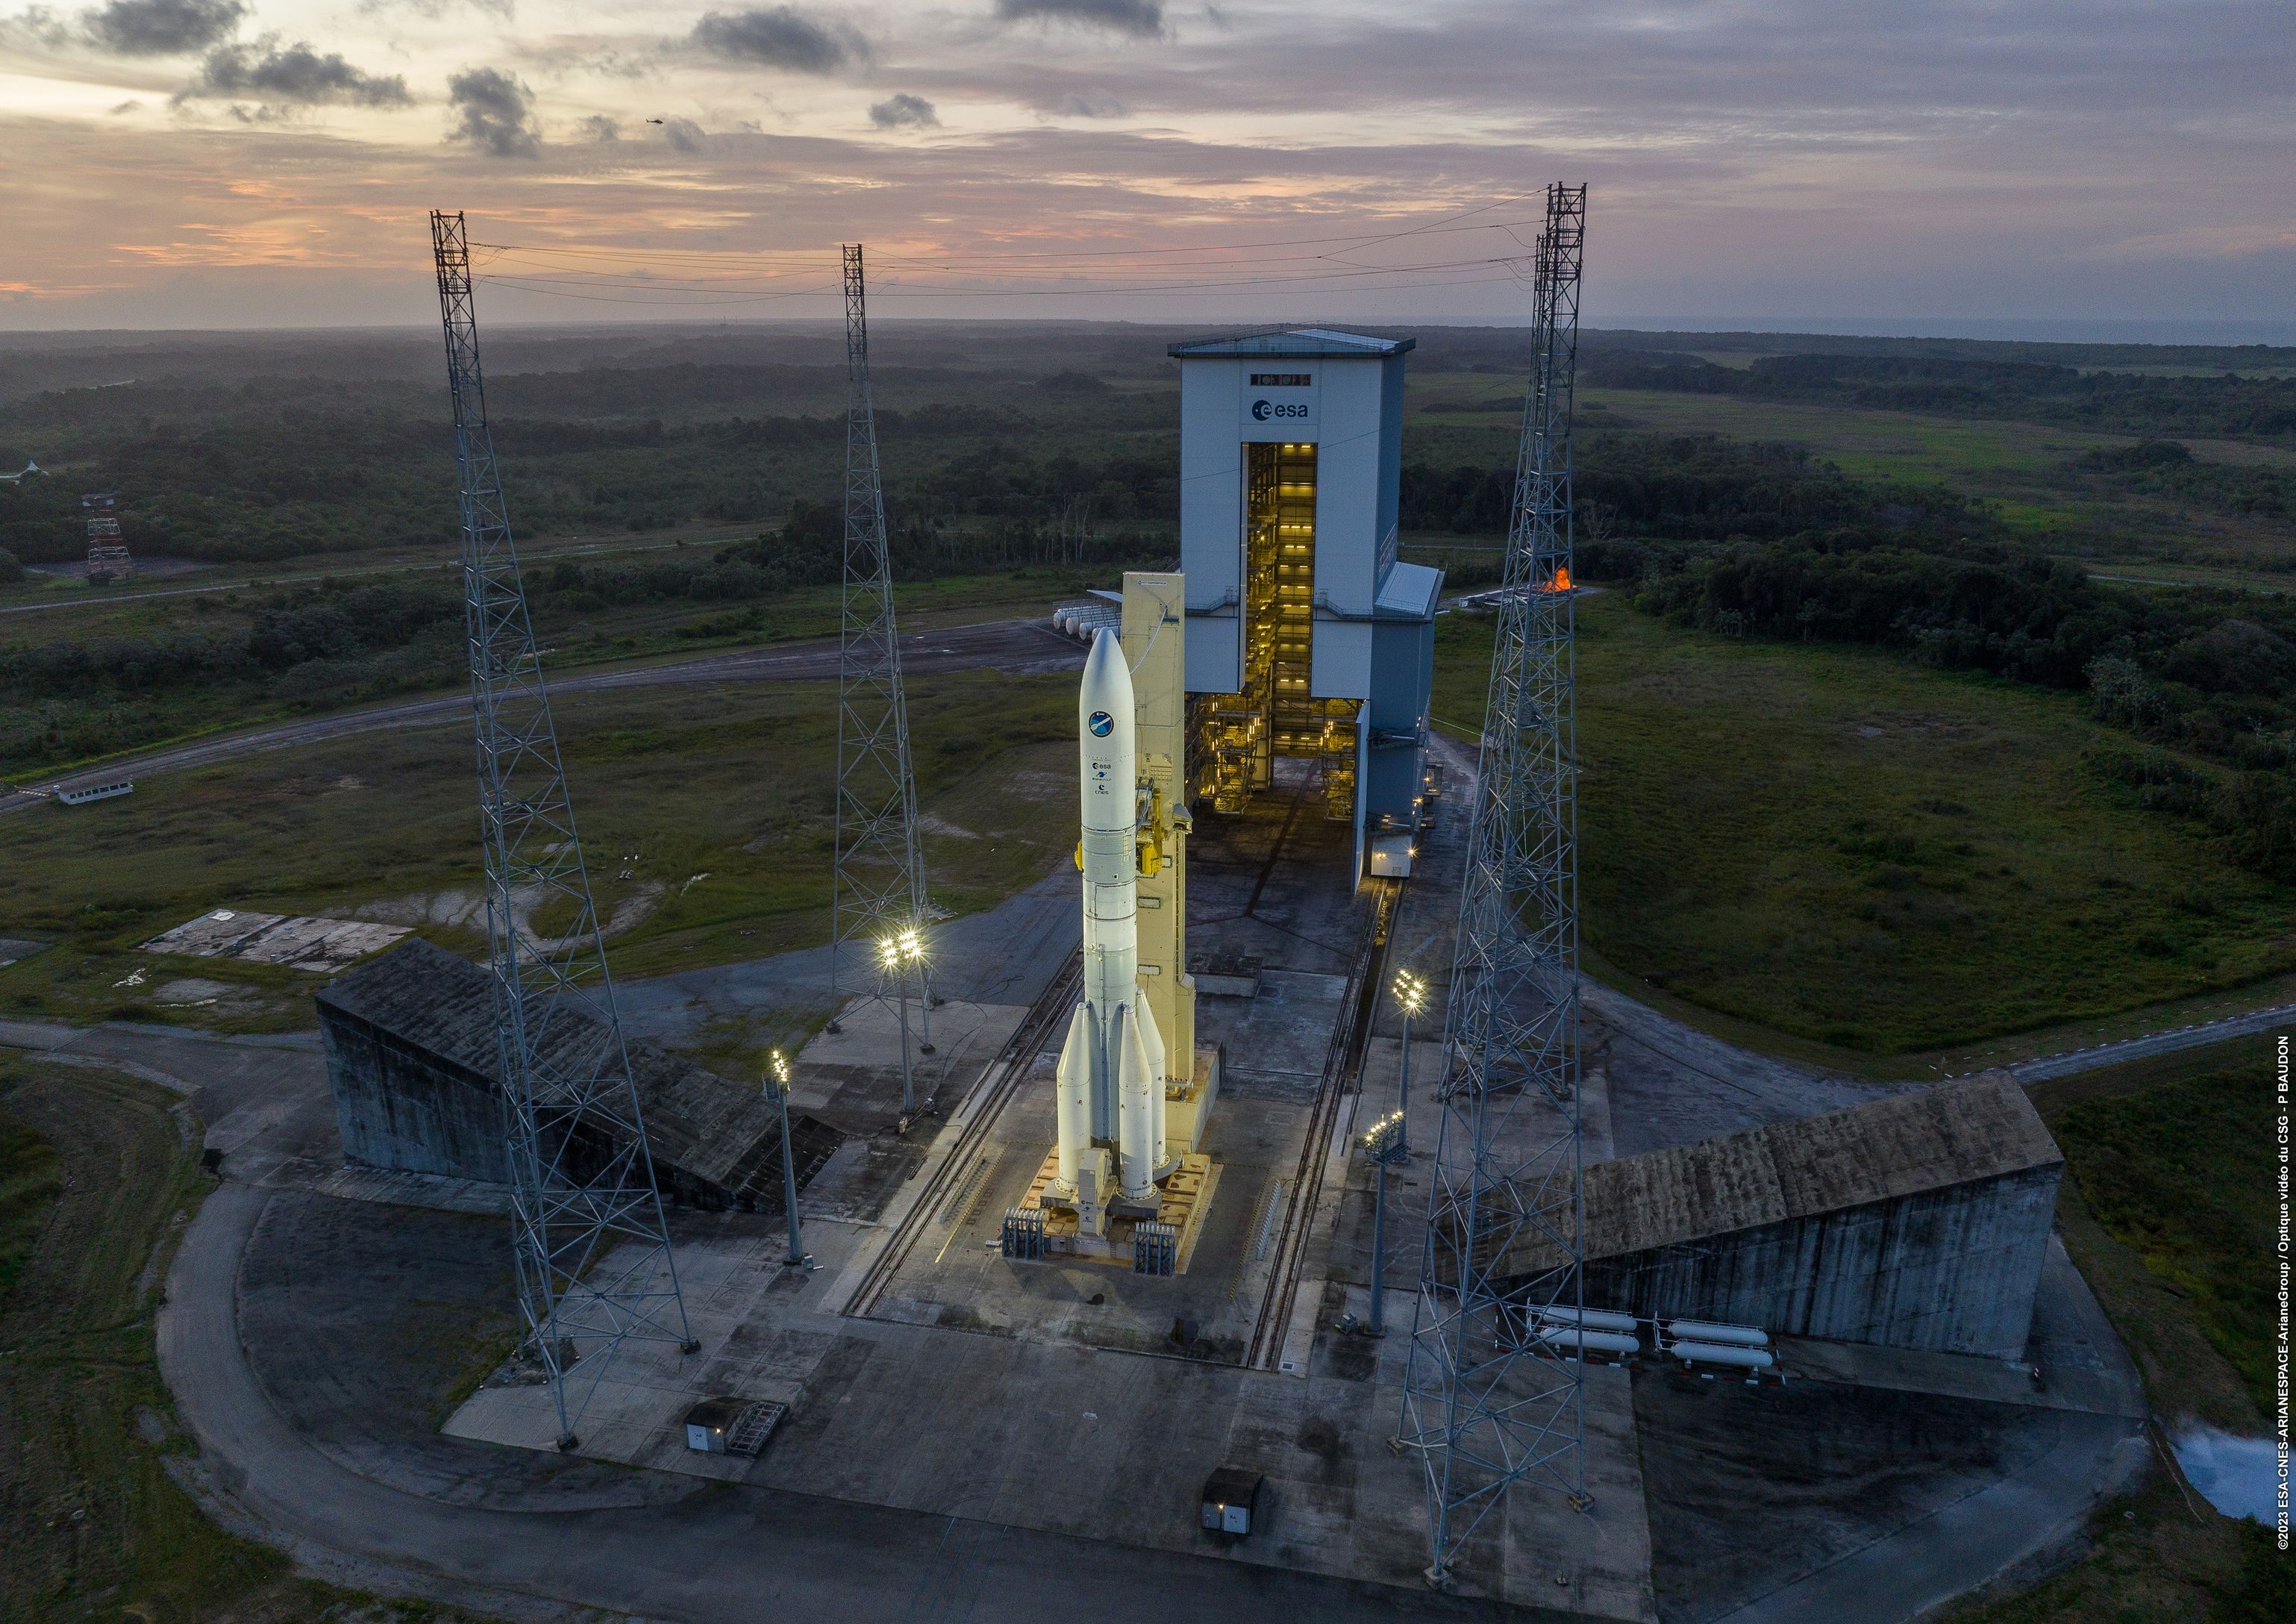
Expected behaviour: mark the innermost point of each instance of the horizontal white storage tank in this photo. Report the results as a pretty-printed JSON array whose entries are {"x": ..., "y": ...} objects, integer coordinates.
[
  {"x": 1722, "y": 1353},
  {"x": 1594, "y": 1319},
  {"x": 1590, "y": 1341},
  {"x": 1706, "y": 1331}
]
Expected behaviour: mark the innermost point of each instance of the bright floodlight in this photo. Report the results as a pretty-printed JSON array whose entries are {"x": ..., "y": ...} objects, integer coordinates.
[
  {"x": 780, "y": 1068},
  {"x": 1381, "y": 1133}
]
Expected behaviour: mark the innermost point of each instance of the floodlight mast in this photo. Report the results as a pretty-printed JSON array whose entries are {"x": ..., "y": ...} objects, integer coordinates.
[
  {"x": 591, "y": 1242},
  {"x": 1488, "y": 1400},
  {"x": 878, "y": 894}
]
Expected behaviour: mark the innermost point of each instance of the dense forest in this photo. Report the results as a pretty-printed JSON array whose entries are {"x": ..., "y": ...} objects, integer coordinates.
[
  {"x": 255, "y": 488},
  {"x": 1014, "y": 448},
  {"x": 2123, "y": 402},
  {"x": 1696, "y": 488}
]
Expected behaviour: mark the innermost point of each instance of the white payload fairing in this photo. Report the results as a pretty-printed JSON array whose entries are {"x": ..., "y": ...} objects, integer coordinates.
[{"x": 1111, "y": 1087}]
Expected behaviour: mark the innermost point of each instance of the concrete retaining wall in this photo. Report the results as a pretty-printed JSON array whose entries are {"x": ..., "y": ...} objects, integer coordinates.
[
  {"x": 405, "y": 1108},
  {"x": 1949, "y": 1271}
]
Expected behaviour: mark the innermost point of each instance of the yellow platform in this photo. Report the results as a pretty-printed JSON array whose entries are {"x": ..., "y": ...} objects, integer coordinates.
[{"x": 1185, "y": 1196}]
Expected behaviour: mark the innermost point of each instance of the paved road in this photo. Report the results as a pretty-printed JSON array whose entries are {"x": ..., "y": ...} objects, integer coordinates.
[
  {"x": 1013, "y": 645},
  {"x": 2047, "y": 1066},
  {"x": 721, "y": 1554},
  {"x": 228, "y": 581},
  {"x": 730, "y": 1555}
]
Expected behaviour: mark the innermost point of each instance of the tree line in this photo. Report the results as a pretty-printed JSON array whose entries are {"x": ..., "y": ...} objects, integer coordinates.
[
  {"x": 2219, "y": 404},
  {"x": 2186, "y": 673}
]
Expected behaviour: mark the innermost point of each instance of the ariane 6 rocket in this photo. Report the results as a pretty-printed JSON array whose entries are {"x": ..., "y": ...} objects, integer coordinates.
[{"x": 1111, "y": 1087}]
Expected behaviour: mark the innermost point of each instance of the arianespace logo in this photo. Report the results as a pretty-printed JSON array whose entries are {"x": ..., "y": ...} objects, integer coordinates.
[
  {"x": 1262, "y": 410},
  {"x": 1101, "y": 722}
]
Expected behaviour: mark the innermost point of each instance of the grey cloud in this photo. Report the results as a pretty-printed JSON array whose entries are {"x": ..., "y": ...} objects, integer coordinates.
[
  {"x": 684, "y": 135},
  {"x": 1092, "y": 103},
  {"x": 781, "y": 36},
  {"x": 600, "y": 128},
  {"x": 1142, "y": 17},
  {"x": 895, "y": 111},
  {"x": 503, "y": 9},
  {"x": 495, "y": 113},
  {"x": 295, "y": 77},
  {"x": 38, "y": 26},
  {"x": 161, "y": 27}
]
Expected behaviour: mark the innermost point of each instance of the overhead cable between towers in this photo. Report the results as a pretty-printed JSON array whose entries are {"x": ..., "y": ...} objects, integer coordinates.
[
  {"x": 1242, "y": 291},
  {"x": 1072, "y": 284},
  {"x": 1360, "y": 238}
]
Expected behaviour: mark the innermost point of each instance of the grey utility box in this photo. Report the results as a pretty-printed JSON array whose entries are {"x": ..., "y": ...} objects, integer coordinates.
[
  {"x": 732, "y": 1427},
  {"x": 709, "y": 1425},
  {"x": 1231, "y": 1497}
]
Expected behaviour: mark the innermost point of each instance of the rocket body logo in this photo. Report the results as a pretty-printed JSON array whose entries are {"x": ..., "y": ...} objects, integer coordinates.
[{"x": 1101, "y": 722}]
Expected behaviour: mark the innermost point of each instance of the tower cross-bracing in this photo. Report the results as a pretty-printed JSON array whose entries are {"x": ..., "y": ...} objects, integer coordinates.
[
  {"x": 1493, "y": 1395},
  {"x": 592, "y": 1247},
  {"x": 878, "y": 907}
]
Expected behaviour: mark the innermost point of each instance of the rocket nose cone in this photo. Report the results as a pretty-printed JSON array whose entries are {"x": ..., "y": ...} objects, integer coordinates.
[
  {"x": 1107, "y": 653},
  {"x": 1107, "y": 679}
]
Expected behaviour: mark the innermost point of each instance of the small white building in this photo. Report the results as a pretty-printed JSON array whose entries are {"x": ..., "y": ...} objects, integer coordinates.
[{"x": 1305, "y": 638}]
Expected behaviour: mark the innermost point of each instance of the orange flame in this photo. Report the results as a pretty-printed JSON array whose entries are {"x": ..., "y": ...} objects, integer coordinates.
[{"x": 1562, "y": 581}]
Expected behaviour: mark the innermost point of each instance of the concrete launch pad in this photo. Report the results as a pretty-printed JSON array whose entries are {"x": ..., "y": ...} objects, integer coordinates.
[
  {"x": 1184, "y": 1200},
  {"x": 926, "y": 1371},
  {"x": 345, "y": 1314}
]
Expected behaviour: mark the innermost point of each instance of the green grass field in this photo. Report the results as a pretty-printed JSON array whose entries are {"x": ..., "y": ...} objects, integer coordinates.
[
  {"x": 94, "y": 1527},
  {"x": 2167, "y": 1214},
  {"x": 2020, "y": 470},
  {"x": 29, "y": 1183},
  {"x": 704, "y": 811},
  {"x": 2182, "y": 1174},
  {"x": 1841, "y": 846},
  {"x": 86, "y": 731}
]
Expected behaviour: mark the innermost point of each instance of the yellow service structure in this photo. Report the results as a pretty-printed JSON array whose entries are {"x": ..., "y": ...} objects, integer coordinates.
[{"x": 1154, "y": 633}]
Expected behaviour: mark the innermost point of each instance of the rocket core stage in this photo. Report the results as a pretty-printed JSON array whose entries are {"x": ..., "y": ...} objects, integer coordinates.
[{"x": 1111, "y": 1086}]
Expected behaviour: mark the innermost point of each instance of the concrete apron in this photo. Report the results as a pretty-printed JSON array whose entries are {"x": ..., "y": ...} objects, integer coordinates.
[{"x": 1029, "y": 1427}]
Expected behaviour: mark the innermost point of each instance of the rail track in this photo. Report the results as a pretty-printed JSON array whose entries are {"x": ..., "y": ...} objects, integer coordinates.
[
  {"x": 1342, "y": 1064},
  {"x": 1000, "y": 1080}
]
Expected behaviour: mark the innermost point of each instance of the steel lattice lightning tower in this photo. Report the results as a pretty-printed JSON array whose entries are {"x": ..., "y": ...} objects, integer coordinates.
[
  {"x": 1493, "y": 1394},
  {"x": 880, "y": 885},
  {"x": 593, "y": 1254}
]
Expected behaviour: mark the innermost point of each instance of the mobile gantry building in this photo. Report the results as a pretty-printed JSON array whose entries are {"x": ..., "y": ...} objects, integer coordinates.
[{"x": 1306, "y": 638}]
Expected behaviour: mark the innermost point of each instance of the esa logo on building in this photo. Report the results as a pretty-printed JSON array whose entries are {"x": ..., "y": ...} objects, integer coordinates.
[{"x": 1262, "y": 410}]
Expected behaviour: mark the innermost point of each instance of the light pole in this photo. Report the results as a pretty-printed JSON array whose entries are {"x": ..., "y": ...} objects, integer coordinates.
[
  {"x": 777, "y": 1089},
  {"x": 898, "y": 953},
  {"x": 913, "y": 951},
  {"x": 1411, "y": 993},
  {"x": 1383, "y": 1147}
]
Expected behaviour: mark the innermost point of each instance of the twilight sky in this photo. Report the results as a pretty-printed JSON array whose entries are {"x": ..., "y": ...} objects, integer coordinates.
[{"x": 265, "y": 162}]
